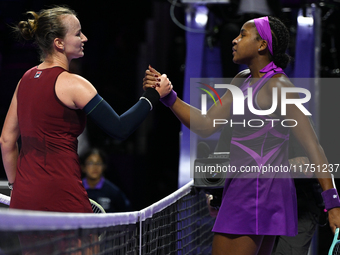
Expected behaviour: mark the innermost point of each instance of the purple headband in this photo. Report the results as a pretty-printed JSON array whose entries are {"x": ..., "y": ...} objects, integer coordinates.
[{"x": 263, "y": 27}]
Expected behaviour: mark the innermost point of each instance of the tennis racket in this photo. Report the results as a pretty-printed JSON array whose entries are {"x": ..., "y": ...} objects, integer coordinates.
[
  {"x": 96, "y": 208},
  {"x": 335, "y": 247}
]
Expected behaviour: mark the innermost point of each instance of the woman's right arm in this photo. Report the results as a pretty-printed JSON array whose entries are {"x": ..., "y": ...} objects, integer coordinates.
[
  {"x": 78, "y": 93},
  {"x": 8, "y": 140}
]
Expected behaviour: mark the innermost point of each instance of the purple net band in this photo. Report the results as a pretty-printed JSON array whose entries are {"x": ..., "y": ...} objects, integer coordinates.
[
  {"x": 169, "y": 99},
  {"x": 331, "y": 199}
]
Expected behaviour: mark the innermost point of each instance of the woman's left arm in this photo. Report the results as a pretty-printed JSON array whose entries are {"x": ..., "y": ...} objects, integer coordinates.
[
  {"x": 8, "y": 140},
  {"x": 305, "y": 135}
]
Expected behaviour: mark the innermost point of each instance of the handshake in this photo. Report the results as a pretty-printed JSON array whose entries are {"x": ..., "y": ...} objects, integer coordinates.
[{"x": 160, "y": 82}]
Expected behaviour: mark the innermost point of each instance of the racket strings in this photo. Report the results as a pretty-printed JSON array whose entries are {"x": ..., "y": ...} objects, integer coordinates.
[
  {"x": 96, "y": 209},
  {"x": 336, "y": 249}
]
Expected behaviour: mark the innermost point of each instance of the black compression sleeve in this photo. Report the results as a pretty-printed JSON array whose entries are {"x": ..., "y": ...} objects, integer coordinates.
[{"x": 118, "y": 127}]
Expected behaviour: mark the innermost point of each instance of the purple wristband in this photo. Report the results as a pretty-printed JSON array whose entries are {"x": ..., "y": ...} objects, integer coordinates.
[
  {"x": 330, "y": 198},
  {"x": 169, "y": 99}
]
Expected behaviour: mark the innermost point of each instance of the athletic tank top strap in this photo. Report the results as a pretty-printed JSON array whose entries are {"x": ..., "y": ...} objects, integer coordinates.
[{"x": 264, "y": 79}]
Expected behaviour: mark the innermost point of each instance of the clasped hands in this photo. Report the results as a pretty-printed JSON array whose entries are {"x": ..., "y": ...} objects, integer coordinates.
[{"x": 160, "y": 82}]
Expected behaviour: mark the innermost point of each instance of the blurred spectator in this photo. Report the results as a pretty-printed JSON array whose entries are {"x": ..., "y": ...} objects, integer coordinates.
[{"x": 99, "y": 189}]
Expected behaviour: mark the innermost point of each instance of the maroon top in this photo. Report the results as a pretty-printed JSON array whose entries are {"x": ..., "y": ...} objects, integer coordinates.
[{"x": 48, "y": 174}]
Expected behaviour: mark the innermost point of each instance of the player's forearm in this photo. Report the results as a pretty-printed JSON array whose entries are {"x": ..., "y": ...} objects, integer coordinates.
[
  {"x": 192, "y": 118},
  {"x": 316, "y": 155},
  {"x": 10, "y": 154},
  {"x": 321, "y": 166},
  {"x": 326, "y": 183},
  {"x": 182, "y": 111}
]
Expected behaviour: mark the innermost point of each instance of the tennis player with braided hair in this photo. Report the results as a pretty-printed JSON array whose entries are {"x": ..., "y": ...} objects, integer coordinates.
[
  {"x": 257, "y": 206},
  {"x": 48, "y": 111}
]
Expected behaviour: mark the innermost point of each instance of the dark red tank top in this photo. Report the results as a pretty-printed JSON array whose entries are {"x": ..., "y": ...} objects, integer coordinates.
[{"x": 48, "y": 174}]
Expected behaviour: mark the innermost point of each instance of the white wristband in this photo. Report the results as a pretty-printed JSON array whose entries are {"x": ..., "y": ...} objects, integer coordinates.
[{"x": 147, "y": 101}]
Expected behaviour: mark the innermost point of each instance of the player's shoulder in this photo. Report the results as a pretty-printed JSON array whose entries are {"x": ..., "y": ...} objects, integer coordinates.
[
  {"x": 240, "y": 77},
  {"x": 67, "y": 76},
  {"x": 74, "y": 82},
  {"x": 243, "y": 74},
  {"x": 279, "y": 80}
]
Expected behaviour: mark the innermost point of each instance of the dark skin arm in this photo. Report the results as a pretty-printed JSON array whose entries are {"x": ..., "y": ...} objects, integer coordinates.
[
  {"x": 301, "y": 167},
  {"x": 304, "y": 134},
  {"x": 190, "y": 116}
]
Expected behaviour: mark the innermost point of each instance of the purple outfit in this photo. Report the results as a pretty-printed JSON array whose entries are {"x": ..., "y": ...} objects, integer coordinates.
[{"x": 255, "y": 203}]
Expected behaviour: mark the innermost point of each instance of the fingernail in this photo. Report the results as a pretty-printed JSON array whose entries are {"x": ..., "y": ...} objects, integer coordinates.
[
  {"x": 158, "y": 84},
  {"x": 155, "y": 75},
  {"x": 158, "y": 79}
]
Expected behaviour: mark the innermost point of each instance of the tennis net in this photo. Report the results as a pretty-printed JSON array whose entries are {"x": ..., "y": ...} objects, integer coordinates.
[{"x": 178, "y": 224}]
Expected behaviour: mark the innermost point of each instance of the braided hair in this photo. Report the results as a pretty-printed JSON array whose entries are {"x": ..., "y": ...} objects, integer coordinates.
[{"x": 280, "y": 35}]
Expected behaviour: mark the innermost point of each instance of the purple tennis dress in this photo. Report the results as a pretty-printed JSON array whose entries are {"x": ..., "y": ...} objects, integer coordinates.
[{"x": 257, "y": 203}]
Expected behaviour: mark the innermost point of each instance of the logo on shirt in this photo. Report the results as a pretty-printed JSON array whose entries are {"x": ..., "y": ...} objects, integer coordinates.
[{"x": 37, "y": 74}]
